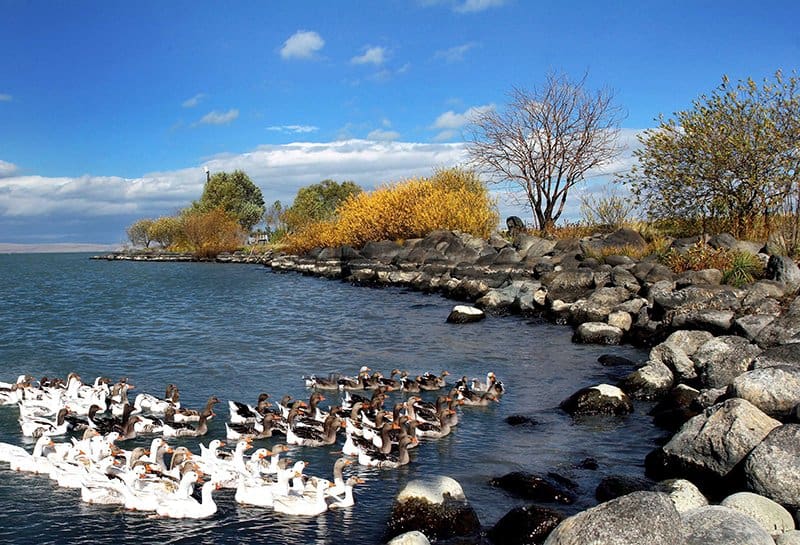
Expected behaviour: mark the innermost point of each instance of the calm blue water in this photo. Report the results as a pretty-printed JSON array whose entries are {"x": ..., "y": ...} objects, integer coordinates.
[{"x": 237, "y": 330}]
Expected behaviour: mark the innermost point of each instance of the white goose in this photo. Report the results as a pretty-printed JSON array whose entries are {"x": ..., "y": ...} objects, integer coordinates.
[
  {"x": 300, "y": 505},
  {"x": 189, "y": 507},
  {"x": 260, "y": 492},
  {"x": 35, "y": 462},
  {"x": 346, "y": 498}
]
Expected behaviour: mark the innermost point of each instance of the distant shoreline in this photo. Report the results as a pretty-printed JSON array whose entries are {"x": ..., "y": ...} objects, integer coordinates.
[{"x": 59, "y": 247}]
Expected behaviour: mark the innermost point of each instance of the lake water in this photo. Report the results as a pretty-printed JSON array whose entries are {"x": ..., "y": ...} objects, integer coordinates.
[{"x": 237, "y": 330}]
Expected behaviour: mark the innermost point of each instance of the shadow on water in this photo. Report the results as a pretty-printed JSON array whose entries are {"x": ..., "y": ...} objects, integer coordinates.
[{"x": 236, "y": 331}]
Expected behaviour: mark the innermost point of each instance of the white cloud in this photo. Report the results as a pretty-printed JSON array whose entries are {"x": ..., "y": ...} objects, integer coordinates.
[
  {"x": 194, "y": 101},
  {"x": 296, "y": 129},
  {"x": 450, "y": 122},
  {"x": 5, "y": 98},
  {"x": 474, "y": 6},
  {"x": 456, "y": 53},
  {"x": 280, "y": 170},
  {"x": 218, "y": 118},
  {"x": 303, "y": 44},
  {"x": 373, "y": 55},
  {"x": 7, "y": 169},
  {"x": 383, "y": 135}
]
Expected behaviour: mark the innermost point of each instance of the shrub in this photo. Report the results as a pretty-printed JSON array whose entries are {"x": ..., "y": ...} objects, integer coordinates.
[
  {"x": 744, "y": 269},
  {"x": 608, "y": 209},
  {"x": 453, "y": 199},
  {"x": 211, "y": 233}
]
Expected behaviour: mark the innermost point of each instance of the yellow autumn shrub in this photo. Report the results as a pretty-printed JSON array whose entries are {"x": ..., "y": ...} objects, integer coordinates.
[{"x": 453, "y": 199}]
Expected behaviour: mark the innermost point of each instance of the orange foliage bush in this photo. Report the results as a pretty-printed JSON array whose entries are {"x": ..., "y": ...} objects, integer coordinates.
[
  {"x": 453, "y": 199},
  {"x": 210, "y": 233}
]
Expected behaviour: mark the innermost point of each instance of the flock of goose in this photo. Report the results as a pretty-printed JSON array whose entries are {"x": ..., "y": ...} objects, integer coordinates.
[{"x": 162, "y": 479}]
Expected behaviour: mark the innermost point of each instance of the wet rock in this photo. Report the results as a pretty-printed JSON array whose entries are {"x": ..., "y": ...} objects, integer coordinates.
[
  {"x": 676, "y": 408},
  {"x": 521, "y": 420},
  {"x": 436, "y": 507},
  {"x": 539, "y": 488},
  {"x": 597, "y": 333},
  {"x": 614, "y": 486},
  {"x": 588, "y": 463},
  {"x": 772, "y": 468},
  {"x": 410, "y": 538},
  {"x": 722, "y": 359},
  {"x": 774, "y": 390},
  {"x": 610, "y": 360},
  {"x": 718, "y": 525},
  {"x": 525, "y": 525},
  {"x": 714, "y": 442},
  {"x": 641, "y": 518},
  {"x": 603, "y": 399},
  {"x": 651, "y": 381},
  {"x": 772, "y": 517},
  {"x": 784, "y": 270},
  {"x": 684, "y": 494},
  {"x": 463, "y": 314}
]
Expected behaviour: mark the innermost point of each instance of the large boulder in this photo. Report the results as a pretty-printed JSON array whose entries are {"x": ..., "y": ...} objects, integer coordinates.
[
  {"x": 569, "y": 285},
  {"x": 597, "y": 333},
  {"x": 436, "y": 506},
  {"x": 676, "y": 408},
  {"x": 712, "y": 443},
  {"x": 598, "y": 305},
  {"x": 409, "y": 538},
  {"x": 774, "y": 390},
  {"x": 651, "y": 381},
  {"x": 621, "y": 277},
  {"x": 722, "y": 359},
  {"x": 602, "y": 399},
  {"x": 531, "y": 246},
  {"x": 614, "y": 486},
  {"x": 773, "y": 517},
  {"x": 718, "y": 525},
  {"x": 784, "y": 329},
  {"x": 534, "y": 487},
  {"x": 640, "y": 518},
  {"x": 772, "y": 469},
  {"x": 784, "y": 270},
  {"x": 525, "y": 525},
  {"x": 787, "y": 355}
]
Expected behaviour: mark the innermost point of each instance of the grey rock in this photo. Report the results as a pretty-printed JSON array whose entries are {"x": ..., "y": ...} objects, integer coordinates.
[
  {"x": 409, "y": 538},
  {"x": 709, "y": 397},
  {"x": 650, "y": 273},
  {"x": 698, "y": 298},
  {"x": 719, "y": 438},
  {"x": 749, "y": 247},
  {"x": 529, "y": 486},
  {"x": 722, "y": 240},
  {"x": 597, "y": 333},
  {"x": 718, "y": 525},
  {"x": 623, "y": 278},
  {"x": 772, "y": 517},
  {"x": 507, "y": 256},
  {"x": 622, "y": 320},
  {"x": 615, "y": 486},
  {"x": 676, "y": 408},
  {"x": 599, "y": 305},
  {"x": 711, "y": 277},
  {"x": 384, "y": 250},
  {"x": 632, "y": 306},
  {"x": 499, "y": 298},
  {"x": 531, "y": 246},
  {"x": 650, "y": 381},
  {"x": 719, "y": 321},
  {"x": 751, "y": 325},
  {"x": 569, "y": 286},
  {"x": 784, "y": 270},
  {"x": 602, "y": 399},
  {"x": 792, "y": 537},
  {"x": 497, "y": 242},
  {"x": 774, "y": 390},
  {"x": 783, "y": 329},
  {"x": 784, "y": 355},
  {"x": 675, "y": 358},
  {"x": 625, "y": 237},
  {"x": 463, "y": 314},
  {"x": 722, "y": 359},
  {"x": 619, "y": 260},
  {"x": 772, "y": 469},
  {"x": 640, "y": 518},
  {"x": 684, "y": 494}
]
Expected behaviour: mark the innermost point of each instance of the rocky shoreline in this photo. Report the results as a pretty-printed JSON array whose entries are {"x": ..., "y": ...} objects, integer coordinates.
[{"x": 724, "y": 366}]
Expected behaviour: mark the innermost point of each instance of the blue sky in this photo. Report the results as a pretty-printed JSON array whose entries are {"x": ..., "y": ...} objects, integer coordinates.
[{"x": 109, "y": 111}]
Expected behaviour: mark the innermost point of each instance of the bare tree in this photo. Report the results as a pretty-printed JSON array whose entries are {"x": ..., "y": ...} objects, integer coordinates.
[{"x": 546, "y": 141}]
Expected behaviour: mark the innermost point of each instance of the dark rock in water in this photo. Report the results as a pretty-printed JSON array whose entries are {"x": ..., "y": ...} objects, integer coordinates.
[
  {"x": 436, "y": 507},
  {"x": 614, "y": 486},
  {"x": 718, "y": 525},
  {"x": 641, "y": 518},
  {"x": 520, "y": 420},
  {"x": 463, "y": 314},
  {"x": 533, "y": 487},
  {"x": 588, "y": 463},
  {"x": 609, "y": 360},
  {"x": 525, "y": 525},
  {"x": 598, "y": 400}
]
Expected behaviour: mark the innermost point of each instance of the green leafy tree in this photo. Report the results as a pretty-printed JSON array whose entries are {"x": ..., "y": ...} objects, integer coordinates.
[
  {"x": 730, "y": 158},
  {"x": 274, "y": 221},
  {"x": 546, "y": 141},
  {"x": 318, "y": 202},
  {"x": 166, "y": 230},
  {"x": 139, "y": 232},
  {"x": 236, "y": 194}
]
